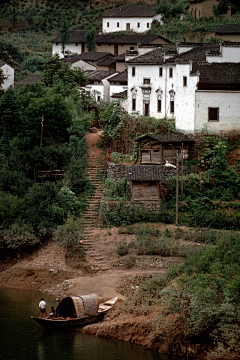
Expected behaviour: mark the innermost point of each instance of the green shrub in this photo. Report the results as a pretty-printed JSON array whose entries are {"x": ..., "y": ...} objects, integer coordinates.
[{"x": 122, "y": 248}]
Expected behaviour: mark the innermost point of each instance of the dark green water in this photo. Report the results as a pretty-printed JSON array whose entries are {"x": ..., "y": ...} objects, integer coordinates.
[{"x": 22, "y": 338}]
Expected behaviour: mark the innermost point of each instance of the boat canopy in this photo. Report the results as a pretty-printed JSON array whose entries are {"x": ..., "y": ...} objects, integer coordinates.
[{"x": 76, "y": 306}]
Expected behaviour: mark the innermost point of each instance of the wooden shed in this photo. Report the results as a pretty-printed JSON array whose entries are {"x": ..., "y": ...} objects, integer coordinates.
[
  {"x": 156, "y": 149},
  {"x": 145, "y": 182}
]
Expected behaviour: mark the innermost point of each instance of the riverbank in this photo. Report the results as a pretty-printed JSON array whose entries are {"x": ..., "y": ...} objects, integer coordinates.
[{"x": 48, "y": 271}]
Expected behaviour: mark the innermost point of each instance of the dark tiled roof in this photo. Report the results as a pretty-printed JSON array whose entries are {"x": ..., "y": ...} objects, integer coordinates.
[
  {"x": 165, "y": 138},
  {"x": 88, "y": 56},
  {"x": 78, "y": 36},
  {"x": 120, "y": 95},
  {"x": 196, "y": 54},
  {"x": 120, "y": 57},
  {"x": 218, "y": 73},
  {"x": 2, "y": 63},
  {"x": 127, "y": 39},
  {"x": 98, "y": 75},
  {"x": 75, "y": 36},
  {"x": 131, "y": 11},
  {"x": 106, "y": 62},
  {"x": 155, "y": 56},
  {"x": 144, "y": 173},
  {"x": 30, "y": 79},
  {"x": 228, "y": 29},
  {"x": 122, "y": 76}
]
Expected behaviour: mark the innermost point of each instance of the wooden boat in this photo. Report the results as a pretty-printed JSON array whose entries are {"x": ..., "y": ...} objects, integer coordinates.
[{"x": 77, "y": 311}]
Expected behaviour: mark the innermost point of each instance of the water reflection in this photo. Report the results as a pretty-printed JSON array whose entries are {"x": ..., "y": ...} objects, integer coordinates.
[{"x": 22, "y": 338}]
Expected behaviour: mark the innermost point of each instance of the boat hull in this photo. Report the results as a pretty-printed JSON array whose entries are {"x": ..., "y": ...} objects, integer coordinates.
[{"x": 70, "y": 323}]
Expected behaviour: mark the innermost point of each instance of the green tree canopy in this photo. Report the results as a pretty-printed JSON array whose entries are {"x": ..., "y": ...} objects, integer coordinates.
[
  {"x": 171, "y": 9},
  {"x": 90, "y": 39},
  {"x": 64, "y": 35}
]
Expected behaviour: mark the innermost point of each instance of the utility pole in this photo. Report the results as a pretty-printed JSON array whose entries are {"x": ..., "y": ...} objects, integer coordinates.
[
  {"x": 41, "y": 131},
  {"x": 177, "y": 190}
]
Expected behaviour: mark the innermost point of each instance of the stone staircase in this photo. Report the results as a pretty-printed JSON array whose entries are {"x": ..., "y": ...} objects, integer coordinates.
[{"x": 95, "y": 173}]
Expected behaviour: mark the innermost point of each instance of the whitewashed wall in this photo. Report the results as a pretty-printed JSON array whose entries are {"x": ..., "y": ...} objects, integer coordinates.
[
  {"x": 8, "y": 71},
  {"x": 185, "y": 98},
  {"x": 228, "y": 103},
  {"x": 115, "y": 89},
  {"x": 83, "y": 65},
  {"x": 72, "y": 47},
  {"x": 228, "y": 54},
  {"x": 123, "y": 23},
  {"x": 96, "y": 90}
]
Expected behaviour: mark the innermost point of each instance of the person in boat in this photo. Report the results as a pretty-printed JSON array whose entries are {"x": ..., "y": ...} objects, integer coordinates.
[
  {"x": 52, "y": 313},
  {"x": 42, "y": 307}
]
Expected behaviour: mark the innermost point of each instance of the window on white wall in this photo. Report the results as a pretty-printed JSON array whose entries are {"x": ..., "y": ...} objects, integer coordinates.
[
  {"x": 147, "y": 25},
  {"x": 159, "y": 104},
  {"x": 138, "y": 25},
  {"x": 213, "y": 114},
  {"x": 185, "y": 81},
  {"x": 117, "y": 24},
  {"x": 133, "y": 71},
  {"x": 107, "y": 24},
  {"x": 160, "y": 71},
  {"x": 170, "y": 72},
  {"x": 146, "y": 81},
  {"x": 134, "y": 103},
  {"x": 172, "y": 107}
]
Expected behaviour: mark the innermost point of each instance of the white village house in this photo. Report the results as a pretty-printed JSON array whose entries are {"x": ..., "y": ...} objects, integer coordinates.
[
  {"x": 197, "y": 87},
  {"x": 136, "y": 18},
  {"x": 8, "y": 72},
  {"x": 99, "y": 86}
]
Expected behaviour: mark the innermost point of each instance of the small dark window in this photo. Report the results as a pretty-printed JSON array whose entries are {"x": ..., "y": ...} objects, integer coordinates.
[
  {"x": 213, "y": 114},
  {"x": 160, "y": 71},
  {"x": 107, "y": 24},
  {"x": 99, "y": 98},
  {"x": 133, "y": 71},
  {"x": 146, "y": 81},
  {"x": 128, "y": 26},
  {"x": 172, "y": 107},
  {"x": 138, "y": 25},
  {"x": 76, "y": 44},
  {"x": 131, "y": 47},
  {"x": 147, "y": 25},
  {"x": 117, "y": 24},
  {"x": 99, "y": 44},
  {"x": 170, "y": 72},
  {"x": 184, "y": 81},
  {"x": 56, "y": 43},
  {"x": 159, "y": 105},
  {"x": 133, "y": 104}
]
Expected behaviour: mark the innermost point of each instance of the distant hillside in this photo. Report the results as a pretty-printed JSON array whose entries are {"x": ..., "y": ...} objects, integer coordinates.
[{"x": 30, "y": 25}]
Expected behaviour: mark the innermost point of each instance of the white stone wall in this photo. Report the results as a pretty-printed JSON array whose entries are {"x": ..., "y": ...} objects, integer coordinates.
[
  {"x": 8, "y": 72},
  {"x": 96, "y": 90},
  {"x": 124, "y": 21},
  {"x": 83, "y": 65},
  {"x": 228, "y": 103},
  {"x": 228, "y": 54},
  {"x": 114, "y": 89},
  {"x": 72, "y": 47},
  {"x": 185, "y": 98}
]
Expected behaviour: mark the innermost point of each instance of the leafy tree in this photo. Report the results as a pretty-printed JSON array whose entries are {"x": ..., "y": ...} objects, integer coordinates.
[
  {"x": 222, "y": 8},
  {"x": 64, "y": 35},
  {"x": 54, "y": 71},
  {"x": 171, "y": 9},
  {"x": 46, "y": 120},
  {"x": 90, "y": 39},
  {"x": 9, "y": 120}
]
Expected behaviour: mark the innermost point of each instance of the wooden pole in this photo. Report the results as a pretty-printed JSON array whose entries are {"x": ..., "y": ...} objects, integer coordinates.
[
  {"x": 182, "y": 172},
  {"x": 177, "y": 190},
  {"x": 41, "y": 131}
]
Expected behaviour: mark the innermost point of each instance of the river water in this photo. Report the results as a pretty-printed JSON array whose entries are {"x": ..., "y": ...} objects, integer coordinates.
[{"x": 22, "y": 338}]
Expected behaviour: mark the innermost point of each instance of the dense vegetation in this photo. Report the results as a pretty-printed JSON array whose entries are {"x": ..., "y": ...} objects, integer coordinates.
[
  {"x": 199, "y": 299},
  {"x": 42, "y": 130}
]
